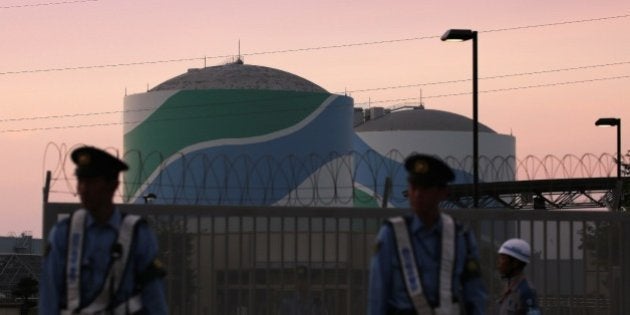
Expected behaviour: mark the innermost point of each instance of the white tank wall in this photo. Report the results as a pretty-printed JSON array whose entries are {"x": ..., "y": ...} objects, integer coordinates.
[
  {"x": 456, "y": 144},
  {"x": 140, "y": 106}
]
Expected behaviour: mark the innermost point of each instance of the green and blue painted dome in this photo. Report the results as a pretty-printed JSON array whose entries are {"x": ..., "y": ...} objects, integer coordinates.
[{"x": 208, "y": 136}]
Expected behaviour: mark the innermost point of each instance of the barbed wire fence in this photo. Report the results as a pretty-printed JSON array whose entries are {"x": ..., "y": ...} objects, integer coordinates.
[{"x": 217, "y": 179}]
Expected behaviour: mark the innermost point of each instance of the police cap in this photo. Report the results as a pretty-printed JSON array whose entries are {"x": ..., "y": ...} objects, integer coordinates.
[
  {"x": 93, "y": 162},
  {"x": 428, "y": 171}
]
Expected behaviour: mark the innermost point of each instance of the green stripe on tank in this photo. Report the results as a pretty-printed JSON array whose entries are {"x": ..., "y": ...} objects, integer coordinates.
[
  {"x": 193, "y": 116},
  {"x": 364, "y": 200}
]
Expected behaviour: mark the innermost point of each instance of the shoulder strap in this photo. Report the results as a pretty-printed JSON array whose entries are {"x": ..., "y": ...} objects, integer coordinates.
[
  {"x": 125, "y": 239},
  {"x": 409, "y": 266},
  {"x": 447, "y": 262},
  {"x": 73, "y": 260},
  {"x": 116, "y": 272}
]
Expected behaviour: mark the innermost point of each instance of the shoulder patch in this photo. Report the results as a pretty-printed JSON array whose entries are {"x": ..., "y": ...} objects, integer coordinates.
[
  {"x": 157, "y": 264},
  {"x": 155, "y": 270},
  {"x": 472, "y": 269},
  {"x": 472, "y": 266}
]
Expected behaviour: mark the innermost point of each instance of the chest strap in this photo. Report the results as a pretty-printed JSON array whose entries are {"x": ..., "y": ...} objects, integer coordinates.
[
  {"x": 116, "y": 271},
  {"x": 131, "y": 306},
  {"x": 74, "y": 256},
  {"x": 409, "y": 266},
  {"x": 447, "y": 262}
]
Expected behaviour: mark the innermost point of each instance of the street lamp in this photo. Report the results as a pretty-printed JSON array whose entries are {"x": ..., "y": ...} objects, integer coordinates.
[
  {"x": 604, "y": 122},
  {"x": 464, "y": 35},
  {"x": 149, "y": 198}
]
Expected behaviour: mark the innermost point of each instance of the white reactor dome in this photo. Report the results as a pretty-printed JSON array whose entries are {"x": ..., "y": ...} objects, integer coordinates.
[
  {"x": 391, "y": 135},
  {"x": 428, "y": 131},
  {"x": 417, "y": 118}
]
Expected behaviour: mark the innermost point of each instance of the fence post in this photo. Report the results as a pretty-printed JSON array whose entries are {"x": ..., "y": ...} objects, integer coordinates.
[{"x": 625, "y": 266}]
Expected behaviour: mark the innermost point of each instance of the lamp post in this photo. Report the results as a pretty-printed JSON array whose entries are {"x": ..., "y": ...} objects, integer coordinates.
[
  {"x": 603, "y": 122},
  {"x": 464, "y": 35}
]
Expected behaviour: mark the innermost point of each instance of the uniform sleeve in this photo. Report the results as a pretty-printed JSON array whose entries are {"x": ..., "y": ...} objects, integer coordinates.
[
  {"x": 380, "y": 273},
  {"x": 474, "y": 290},
  {"x": 153, "y": 296},
  {"x": 529, "y": 302},
  {"x": 50, "y": 282}
]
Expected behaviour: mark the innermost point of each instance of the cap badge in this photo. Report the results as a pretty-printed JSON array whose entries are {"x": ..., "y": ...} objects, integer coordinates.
[
  {"x": 420, "y": 167},
  {"x": 84, "y": 159}
]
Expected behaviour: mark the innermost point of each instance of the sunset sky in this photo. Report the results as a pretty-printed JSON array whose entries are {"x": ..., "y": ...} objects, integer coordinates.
[{"x": 65, "y": 67}]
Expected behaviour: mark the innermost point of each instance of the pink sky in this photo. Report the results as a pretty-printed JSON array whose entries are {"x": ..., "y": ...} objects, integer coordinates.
[{"x": 547, "y": 120}]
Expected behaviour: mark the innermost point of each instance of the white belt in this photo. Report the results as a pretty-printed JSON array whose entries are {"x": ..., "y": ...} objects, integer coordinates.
[{"x": 131, "y": 306}]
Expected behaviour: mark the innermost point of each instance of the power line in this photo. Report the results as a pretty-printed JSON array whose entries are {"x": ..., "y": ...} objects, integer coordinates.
[
  {"x": 236, "y": 102},
  {"x": 361, "y": 103},
  {"x": 59, "y": 127},
  {"x": 558, "y": 23},
  {"x": 488, "y": 78},
  {"x": 17, "y": 6},
  {"x": 106, "y": 66},
  {"x": 558, "y": 84},
  {"x": 61, "y": 116},
  {"x": 301, "y": 49},
  {"x": 502, "y": 90}
]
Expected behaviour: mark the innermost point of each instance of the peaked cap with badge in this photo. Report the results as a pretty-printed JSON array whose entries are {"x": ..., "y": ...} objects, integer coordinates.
[
  {"x": 428, "y": 171},
  {"x": 94, "y": 162}
]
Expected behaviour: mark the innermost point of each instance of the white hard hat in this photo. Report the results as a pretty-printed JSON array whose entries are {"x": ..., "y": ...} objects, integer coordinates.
[{"x": 516, "y": 248}]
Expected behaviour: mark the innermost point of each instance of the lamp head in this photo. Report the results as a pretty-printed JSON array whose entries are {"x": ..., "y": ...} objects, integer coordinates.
[
  {"x": 604, "y": 122},
  {"x": 149, "y": 198},
  {"x": 458, "y": 35}
]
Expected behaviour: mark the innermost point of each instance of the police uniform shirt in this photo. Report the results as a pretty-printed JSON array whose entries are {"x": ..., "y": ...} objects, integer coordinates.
[
  {"x": 387, "y": 290},
  {"x": 98, "y": 241},
  {"x": 521, "y": 300}
]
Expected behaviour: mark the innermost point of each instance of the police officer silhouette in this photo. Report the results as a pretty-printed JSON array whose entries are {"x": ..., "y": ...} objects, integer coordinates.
[
  {"x": 425, "y": 263},
  {"x": 101, "y": 261}
]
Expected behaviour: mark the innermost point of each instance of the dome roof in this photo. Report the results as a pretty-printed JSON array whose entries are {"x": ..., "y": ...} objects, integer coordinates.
[
  {"x": 239, "y": 76},
  {"x": 420, "y": 119}
]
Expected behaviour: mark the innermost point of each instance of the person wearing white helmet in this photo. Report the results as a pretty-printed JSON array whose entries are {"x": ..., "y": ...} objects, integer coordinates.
[{"x": 519, "y": 296}]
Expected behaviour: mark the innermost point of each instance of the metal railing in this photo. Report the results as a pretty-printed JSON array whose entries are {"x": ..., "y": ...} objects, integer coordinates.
[{"x": 242, "y": 260}]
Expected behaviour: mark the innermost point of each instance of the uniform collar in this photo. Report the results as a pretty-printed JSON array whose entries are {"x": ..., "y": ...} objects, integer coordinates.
[
  {"x": 417, "y": 226},
  {"x": 113, "y": 222}
]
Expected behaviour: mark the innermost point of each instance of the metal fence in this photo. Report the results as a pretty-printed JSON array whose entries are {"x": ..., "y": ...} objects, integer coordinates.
[{"x": 243, "y": 260}]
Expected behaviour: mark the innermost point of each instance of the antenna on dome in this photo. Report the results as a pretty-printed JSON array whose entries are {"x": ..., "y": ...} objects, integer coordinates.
[
  {"x": 421, "y": 103},
  {"x": 239, "y": 59}
]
